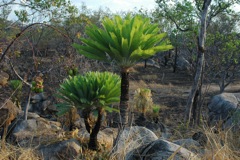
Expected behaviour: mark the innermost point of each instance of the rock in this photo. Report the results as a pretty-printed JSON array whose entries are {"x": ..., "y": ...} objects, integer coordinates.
[
  {"x": 233, "y": 122},
  {"x": 8, "y": 112},
  {"x": 156, "y": 127},
  {"x": 79, "y": 123},
  {"x": 3, "y": 78},
  {"x": 191, "y": 145},
  {"x": 222, "y": 108},
  {"x": 183, "y": 64},
  {"x": 201, "y": 138},
  {"x": 160, "y": 150},
  {"x": 38, "y": 97},
  {"x": 69, "y": 149},
  {"x": 132, "y": 138},
  {"x": 30, "y": 115},
  {"x": 33, "y": 132},
  {"x": 39, "y": 104},
  {"x": 105, "y": 137}
]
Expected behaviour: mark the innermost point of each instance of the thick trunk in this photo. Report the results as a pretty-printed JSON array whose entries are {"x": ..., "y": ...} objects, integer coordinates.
[
  {"x": 124, "y": 107},
  {"x": 200, "y": 65},
  {"x": 93, "y": 143},
  {"x": 86, "y": 115}
]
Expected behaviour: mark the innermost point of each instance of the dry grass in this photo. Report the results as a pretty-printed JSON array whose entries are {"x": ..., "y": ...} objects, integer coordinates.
[
  {"x": 223, "y": 145},
  {"x": 18, "y": 153}
]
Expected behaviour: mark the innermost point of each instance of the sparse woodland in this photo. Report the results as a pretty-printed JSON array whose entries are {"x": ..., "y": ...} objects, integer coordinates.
[{"x": 77, "y": 83}]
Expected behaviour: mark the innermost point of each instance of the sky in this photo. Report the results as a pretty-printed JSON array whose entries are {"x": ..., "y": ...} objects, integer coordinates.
[{"x": 116, "y": 5}]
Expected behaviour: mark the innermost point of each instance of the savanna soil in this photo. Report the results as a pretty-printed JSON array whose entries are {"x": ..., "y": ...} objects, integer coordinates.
[{"x": 170, "y": 91}]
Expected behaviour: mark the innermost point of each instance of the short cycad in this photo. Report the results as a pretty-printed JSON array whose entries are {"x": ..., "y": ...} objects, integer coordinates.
[{"x": 93, "y": 93}]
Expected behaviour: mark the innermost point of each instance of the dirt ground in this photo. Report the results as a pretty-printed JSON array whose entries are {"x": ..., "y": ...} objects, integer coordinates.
[{"x": 170, "y": 90}]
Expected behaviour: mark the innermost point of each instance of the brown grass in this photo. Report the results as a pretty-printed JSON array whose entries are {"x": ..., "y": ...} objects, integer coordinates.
[
  {"x": 223, "y": 145},
  {"x": 18, "y": 153}
]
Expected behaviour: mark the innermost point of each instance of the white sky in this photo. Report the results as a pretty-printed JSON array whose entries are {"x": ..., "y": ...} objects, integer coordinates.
[{"x": 116, "y": 5}]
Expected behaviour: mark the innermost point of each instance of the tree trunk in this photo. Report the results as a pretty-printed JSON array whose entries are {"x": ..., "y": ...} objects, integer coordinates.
[
  {"x": 124, "y": 106},
  {"x": 175, "y": 60},
  {"x": 93, "y": 143},
  {"x": 200, "y": 63}
]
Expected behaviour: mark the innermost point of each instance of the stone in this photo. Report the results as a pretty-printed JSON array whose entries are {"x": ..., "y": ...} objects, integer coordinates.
[
  {"x": 39, "y": 103},
  {"x": 183, "y": 64},
  {"x": 8, "y": 111},
  {"x": 224, "y": 109},
  {"x": 33, "y": 132},
  {"x": 68, "y": 149},
  {"x": 191, "y": 145},
  {"x": 105, "y": 137},
  {"x": 156, "y": 127},
  {"x": 201, "y": 138},
  {"x": 132, "y": 138},
  {"x": 38, "y": 97},
  {"x": 3, "y": 78},
  {"x": 160, "y": 150}
]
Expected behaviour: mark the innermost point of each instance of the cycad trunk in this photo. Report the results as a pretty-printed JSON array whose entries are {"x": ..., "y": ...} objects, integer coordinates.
[
  {"x": 124, "y": 107},
  {"x": 93, "y": 131}
]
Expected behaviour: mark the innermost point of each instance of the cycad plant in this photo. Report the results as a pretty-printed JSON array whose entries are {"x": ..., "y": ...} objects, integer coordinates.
[
  {"x": 143, "y": 100},
  {"x": 124, "y": 41},
  {"x": 92, "y": 93}
]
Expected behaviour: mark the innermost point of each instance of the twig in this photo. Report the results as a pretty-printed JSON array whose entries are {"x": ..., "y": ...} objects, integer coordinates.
[{"x": 28, "y": 103}]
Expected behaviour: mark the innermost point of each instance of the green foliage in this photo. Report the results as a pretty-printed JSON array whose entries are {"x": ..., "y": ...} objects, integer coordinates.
[
  {"x": 16, "y": 84},
  {"x": 52, "y": 9},
  {"x": 92, "y": 90},
  {"x": 72, "y": 70},
  {"x": 156, "y": 109},
  {"x": 125, "y": 41}
]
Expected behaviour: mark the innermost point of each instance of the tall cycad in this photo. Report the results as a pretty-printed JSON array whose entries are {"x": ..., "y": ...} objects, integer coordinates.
[{"x": 124, "y": 41}]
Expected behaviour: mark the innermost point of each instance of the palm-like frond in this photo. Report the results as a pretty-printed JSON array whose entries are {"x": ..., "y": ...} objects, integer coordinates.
[
  {"x": 94, "y": 89},
  {"x": 126, "y": 41}
]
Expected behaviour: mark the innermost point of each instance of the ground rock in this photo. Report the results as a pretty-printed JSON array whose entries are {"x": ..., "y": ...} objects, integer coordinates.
[
  {"x": 35, "y": 131},
  {"x": 156, "y": 127},
  {"x": 191, "y": 145},
  {"x": 224, "y": 108},
  {"x": 183, "y": 64},
  {"x": 131, "y": 138},
  {"x": 68, "y": 149},
  {"x": 160, "y": 150},
  {"x": 41, "y": 104},
  {"x": 105, "y": 137},
  {"x": 8, "y": 112}
]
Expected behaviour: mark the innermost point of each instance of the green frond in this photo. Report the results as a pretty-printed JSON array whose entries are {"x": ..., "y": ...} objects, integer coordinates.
[
  {"x": 93, "y": 89},
  {"x": 125, "y": 41}
]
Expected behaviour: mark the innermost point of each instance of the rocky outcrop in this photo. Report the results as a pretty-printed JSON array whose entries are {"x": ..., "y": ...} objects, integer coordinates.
[
  {"x": 41, "y": 104},
  {"x": 105, "y": 137},
  {"x": 34, "y": 131},
  {"x": 160, "y": 150},
  {"x": 132, "y": 138},
  {"x": 8, "y": 113},
  {"x": 68, "y": 149},
  {"x": 224, "y": 110},
  {"x": 156, "y": 127}
]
